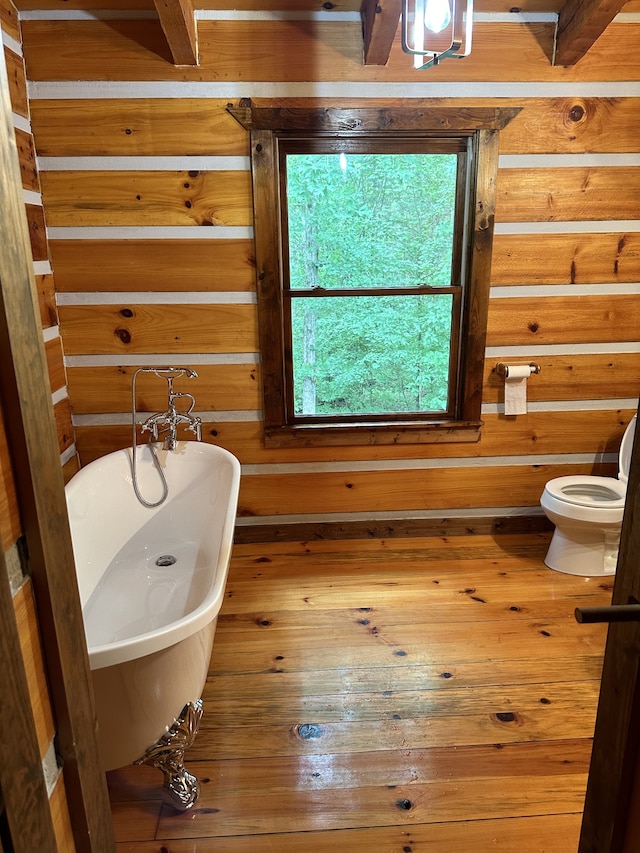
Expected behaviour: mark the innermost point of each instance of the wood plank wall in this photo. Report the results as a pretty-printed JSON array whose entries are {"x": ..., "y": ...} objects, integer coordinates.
[
  {"x": 10, "y": 522},
  {"x": 145, "y": 181},
  {"x": 37, "y": 231}
]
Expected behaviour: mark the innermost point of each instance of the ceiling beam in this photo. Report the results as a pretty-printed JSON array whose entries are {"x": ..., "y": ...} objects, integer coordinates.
[
  {"x": 379, "y": 24},
  {"x": 580, "y": 23},
  {"x": 178, "y": 22}
]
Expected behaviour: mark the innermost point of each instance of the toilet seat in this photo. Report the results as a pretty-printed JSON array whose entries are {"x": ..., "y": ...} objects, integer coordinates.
[
  {"x": 588, "y": 491},
  {"x": 626, "y": 448}
]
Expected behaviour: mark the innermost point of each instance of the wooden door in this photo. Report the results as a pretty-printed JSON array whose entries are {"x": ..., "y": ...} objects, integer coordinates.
[{"x": 611, "y": 821}]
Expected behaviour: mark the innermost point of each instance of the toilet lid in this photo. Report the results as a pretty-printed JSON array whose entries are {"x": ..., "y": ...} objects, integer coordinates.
[
  {"x": 625, "y": 449},
  {"x": 588, "y": 490}
]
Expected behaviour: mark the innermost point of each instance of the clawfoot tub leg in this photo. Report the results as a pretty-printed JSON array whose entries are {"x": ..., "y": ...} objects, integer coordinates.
[{"x": 181, "y": 788}]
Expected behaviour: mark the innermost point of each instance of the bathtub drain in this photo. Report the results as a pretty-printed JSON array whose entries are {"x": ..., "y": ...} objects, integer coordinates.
[{"x": 166, "y": 560}]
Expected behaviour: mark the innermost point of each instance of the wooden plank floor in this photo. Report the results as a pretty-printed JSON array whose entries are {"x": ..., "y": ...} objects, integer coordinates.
[{"x": 387, "y": 696}]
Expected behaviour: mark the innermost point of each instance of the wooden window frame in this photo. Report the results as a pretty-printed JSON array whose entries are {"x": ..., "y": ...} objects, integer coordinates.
[{"x": 268, "y": 126}]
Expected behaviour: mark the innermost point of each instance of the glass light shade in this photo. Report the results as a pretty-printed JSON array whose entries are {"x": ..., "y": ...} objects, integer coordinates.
[
  {"x": 433, "y": 30},
  {"x": 437, "y": 15}
]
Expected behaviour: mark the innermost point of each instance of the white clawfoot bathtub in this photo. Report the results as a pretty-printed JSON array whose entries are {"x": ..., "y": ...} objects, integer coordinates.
[{"x": 151, "y": 584}]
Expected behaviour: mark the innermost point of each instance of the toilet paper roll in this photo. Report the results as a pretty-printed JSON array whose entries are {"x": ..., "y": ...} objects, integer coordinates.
[{"x": 515, "y": 389}]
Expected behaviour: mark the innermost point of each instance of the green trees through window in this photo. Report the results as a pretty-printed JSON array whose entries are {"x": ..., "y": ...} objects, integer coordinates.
[
  {"x": 371, "y": 354},
  {"x": 370, "y": 220},
  {"x": 364, "y": 232}
]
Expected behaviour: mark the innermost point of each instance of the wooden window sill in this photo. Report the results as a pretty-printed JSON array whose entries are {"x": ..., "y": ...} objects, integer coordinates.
[{"x": 326, "y": 435}]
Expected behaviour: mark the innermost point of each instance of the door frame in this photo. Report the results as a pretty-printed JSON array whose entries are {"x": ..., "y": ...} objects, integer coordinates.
[
  {"x": 33, "y": 447},
  {"x": 611, "y": 819}
]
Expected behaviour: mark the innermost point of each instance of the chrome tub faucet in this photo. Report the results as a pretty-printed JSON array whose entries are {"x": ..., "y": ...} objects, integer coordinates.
[{"x": 163, "y": 426}]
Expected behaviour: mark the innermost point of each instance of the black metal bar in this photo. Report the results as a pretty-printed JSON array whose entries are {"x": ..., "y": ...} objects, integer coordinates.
[{"x": 615, "y": 613}]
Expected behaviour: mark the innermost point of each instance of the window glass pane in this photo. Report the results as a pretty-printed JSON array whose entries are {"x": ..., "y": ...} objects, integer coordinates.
[
  {"x": 371, "y": 354},
  {"x": 370, "y": 220}
]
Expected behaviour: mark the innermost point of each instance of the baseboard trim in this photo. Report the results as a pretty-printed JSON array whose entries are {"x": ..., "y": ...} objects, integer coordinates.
[{"x": 391, "y": 528}]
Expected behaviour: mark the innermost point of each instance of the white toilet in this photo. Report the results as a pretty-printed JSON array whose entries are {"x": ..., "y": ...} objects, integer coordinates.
[{"x": 587, "y": 512}]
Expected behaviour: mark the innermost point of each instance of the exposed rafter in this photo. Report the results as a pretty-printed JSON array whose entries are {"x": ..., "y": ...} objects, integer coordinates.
[
  {"x": 379, "y": 24},
  {"x": 580, "y": 23},
  {"x": 179, "y": 25}
]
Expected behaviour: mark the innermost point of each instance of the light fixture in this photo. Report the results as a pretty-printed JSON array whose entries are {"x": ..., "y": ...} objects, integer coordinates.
[{"x": 433, "y": 30}]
